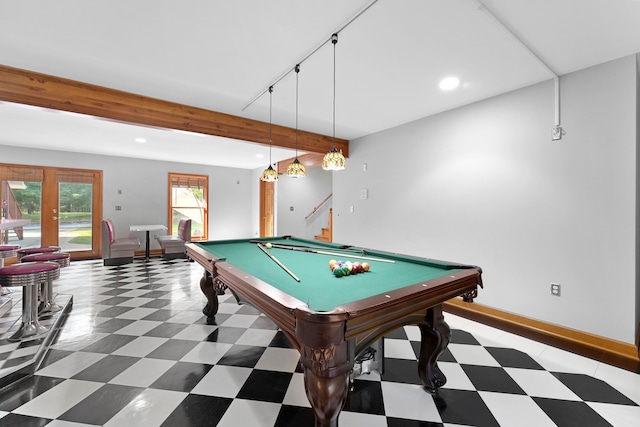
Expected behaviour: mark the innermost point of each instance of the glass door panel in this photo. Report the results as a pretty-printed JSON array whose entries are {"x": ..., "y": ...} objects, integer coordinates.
[
  {"x": 21, "y": 213},
  {"x": 75, "y": 216}
]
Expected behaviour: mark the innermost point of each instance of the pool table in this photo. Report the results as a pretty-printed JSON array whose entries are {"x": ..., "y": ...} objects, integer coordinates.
[{"x": 330, "y": 319}]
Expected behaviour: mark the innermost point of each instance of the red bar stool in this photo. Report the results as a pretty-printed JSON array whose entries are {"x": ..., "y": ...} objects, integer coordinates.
[
  {"x": 7, "y": 251},
  {"x": 47, "y": 303},
  {"x": 29, "y": 275},
  {"x": 40, "y": 250}
]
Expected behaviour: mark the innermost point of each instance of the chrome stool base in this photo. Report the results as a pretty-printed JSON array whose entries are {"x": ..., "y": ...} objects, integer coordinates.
[{"x": 29, "y": 275}]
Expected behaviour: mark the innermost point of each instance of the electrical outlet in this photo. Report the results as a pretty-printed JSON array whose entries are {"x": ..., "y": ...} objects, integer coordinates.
[
  {"x": 555, "y": 289},
  {"x": 556, "y": 133}
]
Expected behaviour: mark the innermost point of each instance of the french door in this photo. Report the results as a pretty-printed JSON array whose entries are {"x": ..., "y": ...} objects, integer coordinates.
[{"x": 45, "y": 206}]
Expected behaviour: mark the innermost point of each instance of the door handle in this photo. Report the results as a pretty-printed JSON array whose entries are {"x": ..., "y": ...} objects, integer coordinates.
[{"x": 55, "y": 218}]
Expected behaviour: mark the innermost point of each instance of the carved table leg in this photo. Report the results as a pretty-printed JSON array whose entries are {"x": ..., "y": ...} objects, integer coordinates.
[
  {"x": 327, "y": 396},
  {"x": 324, "y": 354},
  {"x": 207, "y": 288},
  {"x": 435, "y": 338}
]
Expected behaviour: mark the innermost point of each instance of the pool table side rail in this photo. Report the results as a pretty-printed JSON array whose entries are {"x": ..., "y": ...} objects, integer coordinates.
[
  {"x": 373, "y": 317},
  {"x": 362, "y": 316},
  {"x": 270, "y": 300}
]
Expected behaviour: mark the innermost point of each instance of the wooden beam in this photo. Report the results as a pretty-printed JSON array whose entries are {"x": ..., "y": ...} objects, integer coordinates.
[
  {"x": 41, "y": 90},
  {"x": 309, "y": 160}
]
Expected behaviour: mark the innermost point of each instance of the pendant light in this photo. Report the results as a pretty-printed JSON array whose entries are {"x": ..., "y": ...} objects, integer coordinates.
[
  {"x": 296, "y": 169},
  {"x": 334, "y": 160},
  {"x": 270, "y": 174}
]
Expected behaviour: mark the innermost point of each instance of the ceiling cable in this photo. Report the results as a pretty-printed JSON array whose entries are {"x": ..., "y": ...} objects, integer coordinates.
[
  {"x": 556, "y": 132},
  {"x": 308, "y": 55}
]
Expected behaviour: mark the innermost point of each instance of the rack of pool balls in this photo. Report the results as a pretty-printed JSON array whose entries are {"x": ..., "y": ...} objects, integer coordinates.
[{"x": 346, "y": 268}]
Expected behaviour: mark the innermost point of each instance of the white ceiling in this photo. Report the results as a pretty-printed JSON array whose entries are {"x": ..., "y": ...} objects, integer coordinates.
[{"x": 220, "y": 55}]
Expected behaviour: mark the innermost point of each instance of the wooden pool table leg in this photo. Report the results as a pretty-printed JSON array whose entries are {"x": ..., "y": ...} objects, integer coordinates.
[
  {"x": 327, "y": 396},
  {"x": 435, "y": 338},
  {"x": 206, "y": 286},
  {"x": 324, "y": 354}
]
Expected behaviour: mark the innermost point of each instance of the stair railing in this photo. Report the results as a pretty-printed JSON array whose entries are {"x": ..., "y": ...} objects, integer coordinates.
[{"x": 313, "y": 212}]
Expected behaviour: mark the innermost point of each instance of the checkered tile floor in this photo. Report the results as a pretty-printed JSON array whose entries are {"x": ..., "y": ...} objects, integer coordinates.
[{"x": 136, "y": 351}]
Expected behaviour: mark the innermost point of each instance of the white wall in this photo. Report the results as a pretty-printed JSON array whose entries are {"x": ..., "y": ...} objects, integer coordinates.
[
  {"x": 144, "y": 189},
  {"x": 303, "y": 195},
  {"x": 484, "y": 184}
]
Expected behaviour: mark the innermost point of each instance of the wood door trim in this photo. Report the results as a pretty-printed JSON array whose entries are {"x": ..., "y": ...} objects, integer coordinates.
[{"x": 264, "y": 202}]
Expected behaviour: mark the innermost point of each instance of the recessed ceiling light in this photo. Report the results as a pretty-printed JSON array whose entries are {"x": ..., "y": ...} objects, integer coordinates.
[
  {"x": 141, "y": 140},
  {"x": 449, "y": 83}
]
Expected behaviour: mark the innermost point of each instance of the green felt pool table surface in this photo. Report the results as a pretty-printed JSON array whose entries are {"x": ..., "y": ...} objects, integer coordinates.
[{"x": 318, "y": 287}]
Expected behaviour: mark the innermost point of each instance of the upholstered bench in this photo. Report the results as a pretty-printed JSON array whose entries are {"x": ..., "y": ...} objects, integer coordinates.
[
  {"x": 117, "y": 250},
  {"x": 29, "y": 275},
  {"x": 173, "y": 246},
  {"x": 47, "y": 303}
]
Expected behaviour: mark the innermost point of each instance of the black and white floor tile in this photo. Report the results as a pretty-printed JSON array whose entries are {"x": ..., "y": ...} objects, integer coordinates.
[{"x": 136, "y": 351}]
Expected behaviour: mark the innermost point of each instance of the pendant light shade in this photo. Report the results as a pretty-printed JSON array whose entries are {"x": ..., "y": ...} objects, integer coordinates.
[
  {"x": 296, "y": 169},
  {"x": 334, "y": 160},
  {"x": 270, "y": 174}
]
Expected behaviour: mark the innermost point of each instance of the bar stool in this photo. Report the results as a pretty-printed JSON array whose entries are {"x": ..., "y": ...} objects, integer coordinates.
[
  {"x": 40, "y": 250},
  {"x": 29, "y": 275},
  {"x": 47, "y": 303},
  {"x": 7, "y": 251}
]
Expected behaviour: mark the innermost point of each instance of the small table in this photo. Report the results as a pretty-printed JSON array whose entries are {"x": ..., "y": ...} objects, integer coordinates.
[
  {"x": 7, "y": 224},
  {"x": 329, "y": 319},
  {"x": 147, "y": 228}
]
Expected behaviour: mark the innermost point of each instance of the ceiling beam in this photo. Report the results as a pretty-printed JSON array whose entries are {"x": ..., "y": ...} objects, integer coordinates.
[
  {"x": 309, "y": 160},
  {"x": 56, "y": 93}
]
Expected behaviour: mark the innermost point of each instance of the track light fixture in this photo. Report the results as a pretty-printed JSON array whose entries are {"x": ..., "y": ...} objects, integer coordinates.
[
  {"x": 296, "y": 169},
  {"x": 334, "y": 160},
  {"x": 270, "y": 174}
]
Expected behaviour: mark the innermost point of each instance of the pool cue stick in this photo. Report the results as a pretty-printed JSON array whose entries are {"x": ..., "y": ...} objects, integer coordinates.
[
  {"x": 315, "y": 251},
  {"x": 353, "y": 256},
  {"x": 343, "y": 248},
  {"x": 274, "y": 259}
]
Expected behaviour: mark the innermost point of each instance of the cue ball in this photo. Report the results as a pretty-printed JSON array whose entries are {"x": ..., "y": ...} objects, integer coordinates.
[{"x": 268, "y": 245}]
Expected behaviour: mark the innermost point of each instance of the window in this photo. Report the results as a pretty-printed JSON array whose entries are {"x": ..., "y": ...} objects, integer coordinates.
[{"x": 188, "y": 200}]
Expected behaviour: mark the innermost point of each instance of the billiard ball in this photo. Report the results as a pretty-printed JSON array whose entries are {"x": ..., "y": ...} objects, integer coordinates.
[
  {"x": 268, "y": 245},
  {"x": 365, "y": 266},
  {"x": 357, "y": 267}
]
